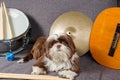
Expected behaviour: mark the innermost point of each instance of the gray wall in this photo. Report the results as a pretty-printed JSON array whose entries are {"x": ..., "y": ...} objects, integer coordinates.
[{"x": 42, "y": 13}]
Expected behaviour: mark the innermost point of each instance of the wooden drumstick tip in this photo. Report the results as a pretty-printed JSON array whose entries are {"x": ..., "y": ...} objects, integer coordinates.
[
  {"x": 2, "y": 22},
  {"x": 8, "y": 21}
]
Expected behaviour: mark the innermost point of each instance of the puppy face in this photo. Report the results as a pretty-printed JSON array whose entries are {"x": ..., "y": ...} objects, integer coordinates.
[{"x": 60, "y": 48}]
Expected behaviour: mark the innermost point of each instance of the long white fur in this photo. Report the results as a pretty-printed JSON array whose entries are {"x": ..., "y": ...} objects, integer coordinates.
[
  {"x": 20, "y": 61},
  {"x": 53, "y": 36},
  {"x": 37, "y": 70},
  {"x": 59, "y": 58},
  {"x": 75, "y": 56},
  {"x": 68, "y": 74}
]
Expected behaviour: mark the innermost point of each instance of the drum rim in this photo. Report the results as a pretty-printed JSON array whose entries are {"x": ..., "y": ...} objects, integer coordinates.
[{"x": 16, "y": 38}]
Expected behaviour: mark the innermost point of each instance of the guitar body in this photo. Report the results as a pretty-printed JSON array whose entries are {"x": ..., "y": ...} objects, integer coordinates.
[{"x": 105, "y": 38}]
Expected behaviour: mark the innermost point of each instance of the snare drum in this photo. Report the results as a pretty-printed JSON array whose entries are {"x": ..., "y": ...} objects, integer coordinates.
[{"x": 20, "y": 27}]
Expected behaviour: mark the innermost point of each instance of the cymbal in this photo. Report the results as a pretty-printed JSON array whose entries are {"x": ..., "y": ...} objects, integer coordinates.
[{"x": 77, "y": 25}]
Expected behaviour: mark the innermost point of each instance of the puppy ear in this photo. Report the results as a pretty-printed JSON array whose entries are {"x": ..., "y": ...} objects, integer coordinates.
[
  {"x": 47, "y": 48},
  {"x": 49, "y": 42},
  {"x": 70, "y": 42},
  {"x": 75, "y": 63},
  {"x": 48, "y": 45},
  {"x": 38, "y": 48},
  {"x": 74, "y": 56}
]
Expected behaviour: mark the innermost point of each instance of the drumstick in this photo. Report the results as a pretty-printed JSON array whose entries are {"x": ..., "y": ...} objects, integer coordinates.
[
  {"x": 2, "y": 23},
  {"x": 8, "y": 21},
  {"x": 31, "y": 77}
]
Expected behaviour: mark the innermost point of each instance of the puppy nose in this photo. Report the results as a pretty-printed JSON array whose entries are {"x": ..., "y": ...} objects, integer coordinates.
[{"x": 58, "y": 46}]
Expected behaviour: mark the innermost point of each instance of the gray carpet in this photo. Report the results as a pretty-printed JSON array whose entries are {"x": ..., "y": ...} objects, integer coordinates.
[
  {"x": 89, "y": 69},
  {"x": 41, "y": 14}
]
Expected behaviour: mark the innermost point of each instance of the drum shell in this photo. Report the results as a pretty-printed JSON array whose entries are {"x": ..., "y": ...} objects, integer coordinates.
[{"x": 16, "y": 43}]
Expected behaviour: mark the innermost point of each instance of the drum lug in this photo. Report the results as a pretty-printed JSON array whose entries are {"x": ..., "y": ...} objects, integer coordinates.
[
  {"x": 10, "y": 45},
  {"x": 25, "y": 41}
]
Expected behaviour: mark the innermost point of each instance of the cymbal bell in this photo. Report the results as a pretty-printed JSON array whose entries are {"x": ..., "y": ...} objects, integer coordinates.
[{"x": 77, "y": 25}]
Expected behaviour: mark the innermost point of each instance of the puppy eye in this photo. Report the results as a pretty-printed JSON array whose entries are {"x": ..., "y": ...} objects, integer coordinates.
[
  {"x": 65, "y": 43},
  {"x": 52, "y": 43}
]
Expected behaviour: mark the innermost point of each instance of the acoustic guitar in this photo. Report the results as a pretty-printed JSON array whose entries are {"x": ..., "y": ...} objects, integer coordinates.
[{"x": 105, "y": 38}]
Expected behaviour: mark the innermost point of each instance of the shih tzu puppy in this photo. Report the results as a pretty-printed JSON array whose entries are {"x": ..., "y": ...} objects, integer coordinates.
[{"x": 54, "y": 53}]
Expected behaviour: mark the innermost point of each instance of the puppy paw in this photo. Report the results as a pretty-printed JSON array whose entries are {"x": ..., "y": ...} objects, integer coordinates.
[
  {"x": 37, "y": 70},
  {"x": 67, "y": 74},
  {"x": 20, "y": 61}
]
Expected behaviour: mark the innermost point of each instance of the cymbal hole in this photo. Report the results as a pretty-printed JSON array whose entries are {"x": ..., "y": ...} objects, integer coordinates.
[{"x": 69, "y": 33}]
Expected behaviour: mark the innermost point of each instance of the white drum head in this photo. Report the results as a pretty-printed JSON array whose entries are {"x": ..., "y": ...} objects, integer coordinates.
[
  {"x": 77, "y": 25},
  {"x": 19, "y": 23}
]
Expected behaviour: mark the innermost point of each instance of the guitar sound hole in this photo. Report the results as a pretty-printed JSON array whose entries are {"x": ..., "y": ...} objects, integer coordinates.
[{"x": 115, "y": 41}]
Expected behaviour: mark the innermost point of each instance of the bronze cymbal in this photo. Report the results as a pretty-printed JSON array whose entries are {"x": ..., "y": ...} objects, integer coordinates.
[{"x": 77, "y": 25}]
